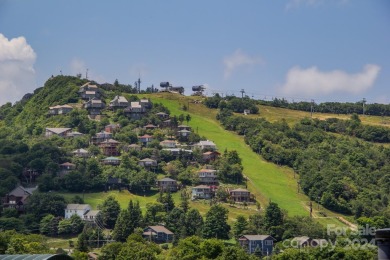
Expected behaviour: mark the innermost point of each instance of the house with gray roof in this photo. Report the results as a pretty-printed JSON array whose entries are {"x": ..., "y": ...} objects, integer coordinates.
[
  {"x": 159, "y": 234},
  {"x": 62, "y": 132},
  {"x": 18, "y": 198},
  {"x": 76, "y": 209},
  {"x": 260, "y": 243}
]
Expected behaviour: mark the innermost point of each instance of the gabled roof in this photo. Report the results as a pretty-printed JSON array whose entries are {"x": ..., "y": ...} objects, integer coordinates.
[
  {"x": 161, "y": 229},
  {"x": 90, "y": 92},
  {"x": 240, "y": 189},
  {"x": 57, "y": 130},
  {"x": 161, "y": 114},
  {"x": 184, "y": 131},
  {"x": 81, "y": 150},
  {"x": 256, "y": 237},
  {"x": 167, "y": 179},
  {"x": 67, "y": 164},
  {"x": 92, "y": 213},
  {"x": 134, "y": 145},
  {"x": 150, "y": 125},
  {"x": 207, "y": 142},
  {"x": 111, "y": 159},
  {"x": 183, "y": 126},
  {"x": 77, "y": 206},
  {"x": 202, "y": 187},
  {"x": 21, "y": 191},
  {"x": 110, "y": 141},
  {"x": 207, "y": 170}
]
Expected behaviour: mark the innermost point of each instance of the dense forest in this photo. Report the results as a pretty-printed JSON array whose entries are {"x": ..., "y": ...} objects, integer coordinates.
[{"x": 373, "y": 109}]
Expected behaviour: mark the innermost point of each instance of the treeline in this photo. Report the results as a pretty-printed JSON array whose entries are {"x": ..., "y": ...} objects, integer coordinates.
[
  {"x": 235, "y": 104},
  {"x": 373, "y": 109},
  {"x": 342, "y": 174}
]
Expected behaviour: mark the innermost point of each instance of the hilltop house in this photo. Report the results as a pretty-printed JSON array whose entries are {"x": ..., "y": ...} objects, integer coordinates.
[
  {"x": 131, "y": 147},
  {"x": 110, "y": 147},
  {"x": 145, "y": 139},
  {"x": 159, "y": 234},
  {"x": 114, "y": 161},
  {"x": 240, "y": 195},
  {"x": 111, "y": 128},
  {"x": 60, "y": 110},
  {"x": 167, "y": 184},
  {"x": 261, "y": 243},
  {"x": 91, "y": 215},
  {"x": 145, "y": 103},
  {"x": 206, "y": 145},
  {"x": 184, "y": 127},
  {"x": 77, "y": 209},
  {"x": 62, "y": 132},
  {"x": 119, "y": 102},
  {"x": 208, "y": 177},
  {"x": 210, "y": 156},
  {"x": 168, "y": 144},
  {"x": 94, "y": 106},
  {"x": 88, "y": 91},
  {"x": 202, "y": 192},
  {"x": 162, "y": 115},
  {"x": 147, "y": 163},
  {"x": 136, "y": 110},
  {"x": 150, "y": 127},
  {"x": 17, "y": 198},
  {"x": 81, "y": 153},
  {"x": 101, "y": 137}
]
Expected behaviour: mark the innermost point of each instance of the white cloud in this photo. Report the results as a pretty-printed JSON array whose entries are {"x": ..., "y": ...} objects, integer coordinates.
[
  {"x": 17, "y": 74},
  {"x": 312, "y": 81},
  {"x": 238, "y": 59}
]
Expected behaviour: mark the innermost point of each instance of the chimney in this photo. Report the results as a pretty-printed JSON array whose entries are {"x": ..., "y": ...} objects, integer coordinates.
[{"x": 382, "y": 237}]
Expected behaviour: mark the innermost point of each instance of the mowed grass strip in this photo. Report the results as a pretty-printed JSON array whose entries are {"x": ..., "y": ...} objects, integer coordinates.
[{"x": 268, "y": 181}]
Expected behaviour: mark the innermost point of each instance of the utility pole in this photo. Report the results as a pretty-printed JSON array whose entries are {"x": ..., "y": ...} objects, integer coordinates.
[
  {"x": 86, "y": 74},
  {"x": 242, "y": 93},
  {"x": 364, "y": 103},
  {"x": 139, "y": 84},
  {"x": 312, "y": 108}
]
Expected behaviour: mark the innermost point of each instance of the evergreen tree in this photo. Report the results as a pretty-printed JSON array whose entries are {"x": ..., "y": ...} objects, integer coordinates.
[
  {"x": 123, "y": 227},
  {"x": 240, "y": 226},
  {"x": 194, "y": 223},
  {"x": 273, "y": 215},
  {"x": 184, "y": 203},
  {"x": 168, "y": 201},
  {"x": 110, "y": 211},
  {"x": 135, "y": 214},
  {"x": 82, "y": 242},
  {"x": 215, "y": 225}
]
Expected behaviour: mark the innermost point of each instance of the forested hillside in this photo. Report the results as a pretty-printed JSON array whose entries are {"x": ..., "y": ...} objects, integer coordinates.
[{"x": 341, "y": 172}]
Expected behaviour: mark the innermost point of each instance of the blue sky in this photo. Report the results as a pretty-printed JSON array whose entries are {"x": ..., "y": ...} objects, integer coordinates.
[{"x": 326, "y": 50}]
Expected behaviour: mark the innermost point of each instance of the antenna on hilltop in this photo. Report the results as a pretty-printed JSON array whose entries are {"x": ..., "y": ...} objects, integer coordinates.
[
  {"x": 242, "y": 93},
  {"x": 364, "y": 103},
  {"x": 139, "y": 82},
  {"x": 312, "y": 108},
  {"x": 86, "y": 74}
]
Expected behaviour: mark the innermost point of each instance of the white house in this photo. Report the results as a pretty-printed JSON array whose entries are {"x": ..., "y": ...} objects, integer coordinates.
[
  {"x": 77, "y": 209},
  {"x": 203, "y": 145}
]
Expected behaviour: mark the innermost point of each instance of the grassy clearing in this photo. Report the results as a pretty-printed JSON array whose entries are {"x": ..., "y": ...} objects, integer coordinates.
[
  {"x": 268, "y": 181},
  {"x": 274, "y": 114}
]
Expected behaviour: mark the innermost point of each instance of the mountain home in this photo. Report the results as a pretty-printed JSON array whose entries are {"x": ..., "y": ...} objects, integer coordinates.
[
  {"x": 202, "y": 192},
  {"x": 101, "y": 137},
  {"x": 82, "y": 153},
  {"x": 261, "y": 243},
  {"x": 208, "y": 177},
  {"x": 168, "y": 144},
  {"x": 147, "y": 163},
  {"x": 94, "y": 106},
  {"x": 159, "y": 234},
  {"x": 91, "y": 215},
  {"x": 88, "y": 91},
  {"x": 206, "y": 145},
  {"x": 17, "y": 198},
  {"x": 66, "y": 168},
  {"x": 111, "y": 128},
  {"x": 60, "y": 110},
  {"x": 162, "y": 115},
  {"x": 135, "y": 110},
  {"x": 210, "y": 156},
  {"x": 110, "y": 147},
  {"x": 119, "y": 102},
  {"x": 76, "y": 209},
  {"x": 240, "y": 195},
  {"x": 114, "y": 161},
  {"x": 145, "y": 139},
  {"x": 167, "y": 184}
]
